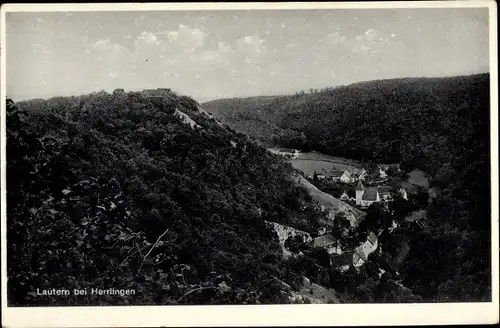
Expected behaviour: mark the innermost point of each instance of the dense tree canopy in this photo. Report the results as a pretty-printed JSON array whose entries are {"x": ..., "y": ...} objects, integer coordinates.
[{"x": 119, "y": 191}]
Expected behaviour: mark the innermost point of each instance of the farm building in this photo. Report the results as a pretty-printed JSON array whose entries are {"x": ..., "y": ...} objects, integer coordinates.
[
  {"x": 367, "y": 196},
  {"x": 361, "y": 254},
  {"x": 343, "y": 176},
  {"x": 327, "y": 242},
  {"x": 291, "y": 153},
  {"x": 347, "y": 196}
]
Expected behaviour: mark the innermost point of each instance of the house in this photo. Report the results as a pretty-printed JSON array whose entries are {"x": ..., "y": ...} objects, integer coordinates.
[
  {"x": 362, "y": 174},
  {"x": 403, "y": 193},
  {"x": 382, "y": 173},
  {"x": 367, "y": 196},
  {"x": 292, "y": 153},
  {"x": 320, "y": 176},
  {"x": 361, "y": 254},
  {"x": 118, "y": 92},
  {"x": 343, "y": 176},
  {"x": 358, "y": 259},
  {"x": 327, "y": 242},
  {"x": 346, "y": 196},
  {"x": 385, "y": 193}
]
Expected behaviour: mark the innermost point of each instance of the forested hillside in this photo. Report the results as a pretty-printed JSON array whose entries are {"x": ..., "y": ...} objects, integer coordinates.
[
  {"x": 414, "y": 120},
  {"x": 439, "y": 125},
  {"x": 148, "y": 193}
]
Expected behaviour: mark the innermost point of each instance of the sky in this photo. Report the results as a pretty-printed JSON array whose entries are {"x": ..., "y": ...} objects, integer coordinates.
[{"x": 221, "y": 54}]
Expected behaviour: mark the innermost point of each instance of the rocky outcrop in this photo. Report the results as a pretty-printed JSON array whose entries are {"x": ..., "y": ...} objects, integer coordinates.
[{"x": 284, "y": 232}]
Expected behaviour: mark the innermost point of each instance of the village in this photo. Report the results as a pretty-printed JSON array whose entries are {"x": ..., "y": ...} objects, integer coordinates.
[{"x": 358, "y": 186}]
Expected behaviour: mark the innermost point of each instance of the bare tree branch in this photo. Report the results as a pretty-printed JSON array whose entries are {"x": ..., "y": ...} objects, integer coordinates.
[
  {"x": 154, "y": 245},
  {"x": 194, "y": 290}
]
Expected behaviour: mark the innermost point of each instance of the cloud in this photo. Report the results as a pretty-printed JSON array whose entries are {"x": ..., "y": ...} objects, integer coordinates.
[
  {"x": 221, "y": 55},
  {"x": 363, "y": 48},
  {"x": 146, "y": 39},
  {"x": 168, "y": 44},
  {"x": 251, "y": 48},
  {"x": 372, "y": 42},
  {"x": 113, "y": 74},
  {"x": 185, "y": 37},
  {"x": 251, "y": 44},
  {"x": 40, "y": 48},
  {"x": 105, "y": 47},
  {"x": 369, "y": 35},
  {"x": 333, "y": 38}
]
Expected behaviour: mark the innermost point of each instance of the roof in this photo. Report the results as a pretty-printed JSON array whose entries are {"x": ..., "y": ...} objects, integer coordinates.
[
  {"x": 356, "y": 257},
  {"x": 359, "y": 186},
  {"x": 348, "y": 193},
  {"x": 384, "y": 189},
  {"x": 372, "y": 238},
  {"x": 337, "y": 174},
  {"x": 361, "y": 254},
  {"x": 323, "y": 240},
  {"x": 370, "y": 194}
]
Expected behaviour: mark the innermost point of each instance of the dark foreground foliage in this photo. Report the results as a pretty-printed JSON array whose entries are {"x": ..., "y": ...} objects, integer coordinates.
[
  {"x": 439, "y": 125},
  {"x": 118, "y": 191}
]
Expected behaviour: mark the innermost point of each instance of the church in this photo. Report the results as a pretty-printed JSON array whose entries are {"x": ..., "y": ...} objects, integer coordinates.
[{"x": 367, "y": 196}]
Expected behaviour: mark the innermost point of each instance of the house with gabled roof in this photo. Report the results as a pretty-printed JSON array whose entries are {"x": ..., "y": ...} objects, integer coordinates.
[
  {"x": 291, "y": 153},
  {"x": 327, "y": 242},
  {"x": 346, "y": 196},
  {"x": 361, "y": 253},
  {"x": 382, "y": 173},
  {"x": 343, "y": 176},
  {"x": 118, "y": 92},
  {"x": 365, "y": 196},
  {"x": 362, "y": 174},
  {"x": 403, "y": 193},
  {"x": 384, "y": 193}
]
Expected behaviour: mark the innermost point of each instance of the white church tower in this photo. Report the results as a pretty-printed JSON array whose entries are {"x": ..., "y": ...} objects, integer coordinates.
[{"x": 360, "y": 190}]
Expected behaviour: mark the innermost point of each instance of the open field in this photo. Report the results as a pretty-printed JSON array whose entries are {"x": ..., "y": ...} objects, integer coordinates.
[
  {"x": 317, "y": 162},
  {"x": 310, "y": 166},
  {"x": 311, "y": 162}
]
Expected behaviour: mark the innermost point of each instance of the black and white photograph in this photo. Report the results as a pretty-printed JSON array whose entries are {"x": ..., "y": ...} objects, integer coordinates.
[{"x": 249, "y": 156}]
